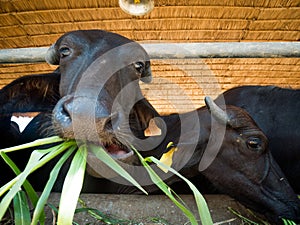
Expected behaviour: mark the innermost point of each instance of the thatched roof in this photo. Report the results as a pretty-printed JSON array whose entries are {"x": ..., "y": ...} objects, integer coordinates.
[
  {"x": 27, "y": 23},
  {"x": 34, "y": 23}
]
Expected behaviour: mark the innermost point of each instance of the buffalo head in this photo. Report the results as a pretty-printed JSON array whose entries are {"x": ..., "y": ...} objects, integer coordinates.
[
  {"x": 245, "y": 168},
  {"x": 101, "y": 100}
]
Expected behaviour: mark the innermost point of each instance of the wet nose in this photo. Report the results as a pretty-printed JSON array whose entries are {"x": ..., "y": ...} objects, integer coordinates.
[{"x": 82, "y": 114}]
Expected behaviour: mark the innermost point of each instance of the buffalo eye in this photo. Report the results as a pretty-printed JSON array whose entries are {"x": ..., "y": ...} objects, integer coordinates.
[
  {"x": 64, "y": 52},
  {"x": 139, "y": 66},
  {"x": 254, "y": 144}
]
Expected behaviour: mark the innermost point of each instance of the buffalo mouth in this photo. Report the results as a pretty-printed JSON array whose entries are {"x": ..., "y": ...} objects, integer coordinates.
[{"x": 118, "y": 150}]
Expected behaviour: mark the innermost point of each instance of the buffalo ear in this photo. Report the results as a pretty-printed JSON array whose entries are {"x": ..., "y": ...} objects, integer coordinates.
[
  {"x": 32, "y": 93},
  {"x": 52, "y": 56}
]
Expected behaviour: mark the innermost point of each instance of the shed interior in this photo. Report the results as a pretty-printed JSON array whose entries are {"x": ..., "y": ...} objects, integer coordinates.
[{"x": 179, "y": 84}]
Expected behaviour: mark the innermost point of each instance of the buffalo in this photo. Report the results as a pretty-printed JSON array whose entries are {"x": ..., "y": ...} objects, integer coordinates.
[
  {"x": 10, "y": 136},
  {"x": 276, "y": 111},
  {"x": 9, "y": 132},
  {"x": 95, "y": 97}
]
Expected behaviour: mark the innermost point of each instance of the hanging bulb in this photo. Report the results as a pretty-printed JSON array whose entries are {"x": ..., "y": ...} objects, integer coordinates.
[{"x": 137, "y": 7}]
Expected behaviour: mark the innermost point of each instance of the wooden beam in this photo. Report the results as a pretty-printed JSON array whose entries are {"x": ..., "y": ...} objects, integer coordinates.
[
  {"x": 224, "y": 50},
  {"x": 179, "y": 50},
  {"x": 23, "y": 55}
]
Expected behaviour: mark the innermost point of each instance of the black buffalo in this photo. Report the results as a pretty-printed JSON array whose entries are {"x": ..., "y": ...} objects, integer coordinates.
[
  {"x": 9, "y": 132},
  {"x": 276, "y": 111},
  {"x": 100, "y": 101},
  {"x": 10, "y": 136}
]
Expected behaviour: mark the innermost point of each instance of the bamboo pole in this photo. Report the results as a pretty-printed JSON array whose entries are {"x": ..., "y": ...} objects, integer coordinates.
[{"x": 179, "y": 50}]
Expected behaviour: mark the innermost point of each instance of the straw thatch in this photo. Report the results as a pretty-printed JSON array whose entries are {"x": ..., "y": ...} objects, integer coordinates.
[
  {"x": 32, "y": 23},
  {"x": 179, "y": 85}
]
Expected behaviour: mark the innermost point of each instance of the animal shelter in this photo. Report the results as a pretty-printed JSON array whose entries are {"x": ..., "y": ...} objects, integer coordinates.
[{"x": 197, "y": 48}]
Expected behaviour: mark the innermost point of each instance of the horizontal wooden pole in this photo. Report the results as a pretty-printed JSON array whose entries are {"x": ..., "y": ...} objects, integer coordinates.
[
  {"x": 179, "y": 51},
  {"x": 23, "y": 55},
  {"x": 224, "y": 50}
]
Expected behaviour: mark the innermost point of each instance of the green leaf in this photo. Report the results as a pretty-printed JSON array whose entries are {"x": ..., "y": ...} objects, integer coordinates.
[
  {"x": 200, "y": 201},
  {"x": 37, "y": 159},
  {"x": 100, "y": 216},
  {"x": 102, "y": 155},
  {"x": 288, "y": 222},
  {"x": 166, "y": 189},
  {"x": 72, "y": 187},
  {"x": 35, "y": 156},
  {"x": 47, "y": 190},
  {"x": 53, "y": 208},
  {"x": 39, "y": 142},
  {"x": 33, "y": 196},
  {"x": 21, "y": 209},
  {"x": 8, "y": 185},
  {"x": 244, "y": 219}
]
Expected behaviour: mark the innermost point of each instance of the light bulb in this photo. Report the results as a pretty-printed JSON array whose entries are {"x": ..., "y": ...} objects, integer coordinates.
[{"x": 136, "y": 7}]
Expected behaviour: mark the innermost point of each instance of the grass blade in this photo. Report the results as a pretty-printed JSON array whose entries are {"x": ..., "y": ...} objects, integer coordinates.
[
  {"x": 47, "y": 190},
  {"x": 8, "y": 185},
  {"x": 72, "y": 187},
  {"x": 27, "y": 186},
  {"x": 288, "y": 222},
  {"x": 200, "y": 201},
  {"x": 165, "y": 188},
  {"x": 35, "y": 156},
  {"x": 102, "y": 155},
  {"x": 38, "y": 142},
  {"x": 54, "y": 152},
  {"x": 244, "y": 219},
  {"x": 101, "y": 216},
  {"x": 33, "y": 197},
  {"x": 37, "y": 159},
  {"x": 21, "y": 209}
]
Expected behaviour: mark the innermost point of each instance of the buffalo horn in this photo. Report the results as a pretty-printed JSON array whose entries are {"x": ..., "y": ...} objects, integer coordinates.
[
  {"x": 51, "y": 56},
  {"x": 216, "y": 111}
]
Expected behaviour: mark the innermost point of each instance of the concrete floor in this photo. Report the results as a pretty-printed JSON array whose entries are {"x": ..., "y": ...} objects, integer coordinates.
[{"x": 142, "y": 208}]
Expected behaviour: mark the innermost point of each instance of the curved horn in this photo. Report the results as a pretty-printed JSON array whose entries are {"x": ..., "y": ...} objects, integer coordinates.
[
  {"x": 216, "y": 111},
  {"x": 147, "y": 74},
  {"x": 51, "y": 56}
]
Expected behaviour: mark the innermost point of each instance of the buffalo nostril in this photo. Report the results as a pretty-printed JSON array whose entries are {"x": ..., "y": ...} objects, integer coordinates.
[
  {"x": 62, "y": 113},
  {"x": 67, "y": 109}
]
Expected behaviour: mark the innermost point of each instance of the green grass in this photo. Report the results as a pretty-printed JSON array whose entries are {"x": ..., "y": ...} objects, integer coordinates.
[
  {"x": 201, "y": 203},
  {"x": 288, "y": 222},
  {"x": 11, "y": 192}
]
